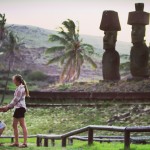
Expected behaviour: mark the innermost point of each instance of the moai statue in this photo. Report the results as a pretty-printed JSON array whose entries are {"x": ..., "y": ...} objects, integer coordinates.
[
  {"x": 111, "y": 60},
  {"x": 139, "y": 54}
]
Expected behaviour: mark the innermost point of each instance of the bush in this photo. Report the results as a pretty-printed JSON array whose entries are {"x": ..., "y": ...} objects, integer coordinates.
[
  {"x": 26, "y": 72},
  {"x": 37, "y": 76}
]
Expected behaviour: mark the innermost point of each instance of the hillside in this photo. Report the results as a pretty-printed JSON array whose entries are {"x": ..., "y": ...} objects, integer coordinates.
[
  {"x": 36, "y": 42},
  {"x": 35, "y": 37}
]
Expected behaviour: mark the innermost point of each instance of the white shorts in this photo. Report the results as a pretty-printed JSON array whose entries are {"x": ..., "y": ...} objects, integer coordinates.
[{"x": 2, "y": 125}]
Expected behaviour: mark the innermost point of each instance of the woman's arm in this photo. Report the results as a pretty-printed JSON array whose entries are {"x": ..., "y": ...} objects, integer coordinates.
[{"x": 2, "y": 109}]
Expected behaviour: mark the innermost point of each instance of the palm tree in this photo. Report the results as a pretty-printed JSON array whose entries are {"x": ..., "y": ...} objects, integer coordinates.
[
  {"x": 72, "y": 52},
  {"x": 2, "y": 26},
  {"x": 10, "y": 48}
]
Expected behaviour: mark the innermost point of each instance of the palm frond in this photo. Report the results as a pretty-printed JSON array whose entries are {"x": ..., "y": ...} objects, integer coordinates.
[
  {"x": 88, "y": 48},
  {"x": 72, "y": 26},
  {"x": 69, "y": 25},
  {"x": 54, "y": 60},
  {"x": 66, "y": 35},
  {"x": 90, "y": 61},
  {"x": 55, "y": 49},
  {"x": 60, "y": 58},
  {"x": 55, "y": 38}
]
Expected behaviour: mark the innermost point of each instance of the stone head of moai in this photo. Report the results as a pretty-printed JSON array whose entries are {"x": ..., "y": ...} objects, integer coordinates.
[
  {"x": 138, "y": 19},
  {"x": 109, "y": 40},
  {"x": 111, "y": 60},
  {"x": 139, "y": 55},
  {"x": 110, "y": 25}
]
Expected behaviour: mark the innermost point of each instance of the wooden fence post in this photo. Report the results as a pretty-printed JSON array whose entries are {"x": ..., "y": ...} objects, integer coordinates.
[
  {"x": 70, "y": 141},
  {"x": 52, "y": 142},
  {"x": 64, "y": 141},
  {"x": 39, "y": 141},
  {"x": 127, "y": 140},
  {"x": 90, "y": 136},
  {"x": 12, "y": 140},
  {"x": 45, "y": 142}
]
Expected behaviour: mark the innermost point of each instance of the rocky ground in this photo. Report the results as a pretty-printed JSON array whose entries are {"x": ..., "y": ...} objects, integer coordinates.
[{"x": 102, "y": 86}]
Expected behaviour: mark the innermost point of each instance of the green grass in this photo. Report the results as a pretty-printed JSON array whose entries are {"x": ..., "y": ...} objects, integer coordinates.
[
  {"x": 57, "y": 120},
  {"x": 81, "y": 146}
]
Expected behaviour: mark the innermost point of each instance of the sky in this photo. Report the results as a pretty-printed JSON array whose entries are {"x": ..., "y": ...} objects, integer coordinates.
[{"x": 50, "y": 14}]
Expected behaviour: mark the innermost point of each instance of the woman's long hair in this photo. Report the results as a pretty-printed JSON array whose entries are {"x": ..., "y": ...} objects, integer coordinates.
[{"x": 20, "y": 79}]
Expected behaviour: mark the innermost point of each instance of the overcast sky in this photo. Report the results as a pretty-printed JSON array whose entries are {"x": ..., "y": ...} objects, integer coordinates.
[{"x": 49, "y": 14}]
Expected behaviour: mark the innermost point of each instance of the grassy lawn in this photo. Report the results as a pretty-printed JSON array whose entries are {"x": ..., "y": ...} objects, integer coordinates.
[
  {"x": 58, "y": 120},
  {"x": 81, "y": 146}
]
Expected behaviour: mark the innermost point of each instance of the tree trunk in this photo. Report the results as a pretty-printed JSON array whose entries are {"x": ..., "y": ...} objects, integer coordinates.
[{"x": 4, "y": 93}]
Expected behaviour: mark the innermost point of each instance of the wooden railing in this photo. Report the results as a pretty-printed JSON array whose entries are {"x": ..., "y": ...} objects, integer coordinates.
[{"x": 90, "y": 138}]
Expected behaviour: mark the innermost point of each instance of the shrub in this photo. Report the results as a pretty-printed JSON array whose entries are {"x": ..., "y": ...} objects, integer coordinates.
[
  {"x": 37, "y": 76},
  {"x": 26, "y": 72}
]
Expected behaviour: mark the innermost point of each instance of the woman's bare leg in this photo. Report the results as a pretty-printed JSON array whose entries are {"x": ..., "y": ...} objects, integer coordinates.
[
  {"x": 24, "y": 129},
  {"x": 15, "y": 127}
]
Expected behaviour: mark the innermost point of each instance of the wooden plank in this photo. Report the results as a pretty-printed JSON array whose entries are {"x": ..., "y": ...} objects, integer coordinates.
[
  {"x": 99, "y": 137},
  {"x": 98, "y": 140},
  {"x": 139, "y": 129},
  {"x": 74, "y": 132},
  {"x": 107, "y": 128},
  {"x": 20, "y": 136},
  {"x": 49, "y": 136}
]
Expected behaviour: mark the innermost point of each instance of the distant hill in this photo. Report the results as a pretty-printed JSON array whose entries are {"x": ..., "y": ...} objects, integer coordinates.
[
  {"x": 35, "y": 37},
  {"x": 36, "y": 42}
]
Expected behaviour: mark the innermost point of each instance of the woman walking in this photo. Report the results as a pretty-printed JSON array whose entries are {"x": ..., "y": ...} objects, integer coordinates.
[{"x": 19, "y": 104}]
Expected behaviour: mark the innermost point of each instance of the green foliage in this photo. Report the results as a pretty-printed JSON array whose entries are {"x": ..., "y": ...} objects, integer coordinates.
[
  {"x": 2, "y": 21},
  {"x": 64, "y": 87},
  {"x": 2, "y": 26},
  {"x": 26, "y": 72},
  {"x": 54, "y": 49},
  {"x": 37, "y": 76},
  {"x": 125, "y": 66},
  {"x": 10, "y": 49},
  {"x": 72, "y": 51}
]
